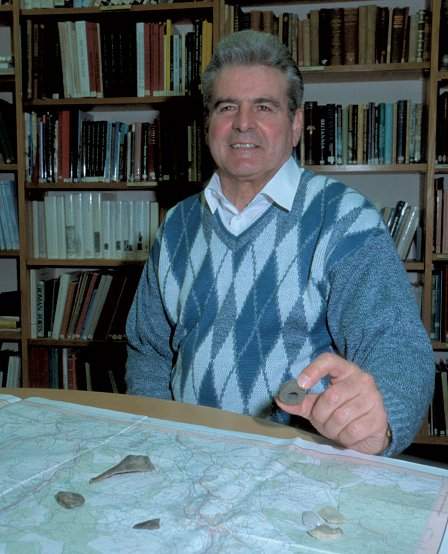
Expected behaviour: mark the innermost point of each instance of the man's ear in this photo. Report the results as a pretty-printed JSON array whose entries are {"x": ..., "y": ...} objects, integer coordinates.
[{"x": 297, "y": 126}]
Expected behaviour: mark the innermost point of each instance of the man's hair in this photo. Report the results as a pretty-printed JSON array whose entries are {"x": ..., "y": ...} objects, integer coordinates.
[{"x": 253, "y": 48}]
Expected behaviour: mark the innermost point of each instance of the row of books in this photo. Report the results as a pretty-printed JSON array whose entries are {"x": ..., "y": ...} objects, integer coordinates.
[
  {"x": 440, "y": 230},
  {"x": 373, "y": 133},
  {"x": 10, "y": 365},
  {"x": 81, "y": 305},
  {"x": 78, "y": 59},
  {"x": 402, "y": 220},
  {"x": 443, "y": 36},
  {"x": 438, "y": 412},
  {"x": 366, "y": 34},
  {"x": 9, "y": 223},
  {"x": 69, "y": 146},
  {"x": 92, "y": 224},
  {"x": 78, "y": 369}
]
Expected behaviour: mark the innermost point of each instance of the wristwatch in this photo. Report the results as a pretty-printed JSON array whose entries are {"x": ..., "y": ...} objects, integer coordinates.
[{"x": 388, "y": 435}]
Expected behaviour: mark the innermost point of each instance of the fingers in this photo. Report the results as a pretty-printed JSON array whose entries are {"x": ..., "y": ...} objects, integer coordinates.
[
  {"x": 326, "y": 364},
  {"x": 350, "y": 411}
]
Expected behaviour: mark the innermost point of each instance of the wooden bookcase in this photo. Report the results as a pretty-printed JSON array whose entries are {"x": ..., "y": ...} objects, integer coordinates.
[{"x": 217, "y": 11}]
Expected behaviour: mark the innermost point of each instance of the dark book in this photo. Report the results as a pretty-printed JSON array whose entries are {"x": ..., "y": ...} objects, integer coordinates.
[
  {"x": 337, "y": 32},
  {"x": 325, "y": 38},
  {"x": 442, "y": 122},
  {"x": 330, "y": 134},
  {"x": 7, "y": 132},
  {"x": 10, "y": 303},
  {"x": 381, "y": 34},
  {"x": 402, "y": 117},
  {"x": 38, "y": 367},
  {"x": 350, "y": 26},
  {"x": 399, "y": 16},
  {"x": 311, "y": 132}
]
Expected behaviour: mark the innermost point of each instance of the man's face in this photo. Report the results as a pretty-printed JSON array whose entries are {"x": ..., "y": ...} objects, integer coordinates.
[{"x": 250, "y": 133}]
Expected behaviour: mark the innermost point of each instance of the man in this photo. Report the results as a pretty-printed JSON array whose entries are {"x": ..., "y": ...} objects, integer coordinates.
[{"x": 275, "y": 273}]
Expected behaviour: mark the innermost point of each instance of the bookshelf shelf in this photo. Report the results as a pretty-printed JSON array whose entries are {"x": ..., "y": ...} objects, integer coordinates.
[
  {"x": 47, "y": 262},
  {"x": 368, "y": 72},
  {"x": 8, "y": 168},
  {"x": 9, "y": 253},
  {"x": 369, "y": 168},
  {"x": 414, "y": 266},
  {"x": 123, "y": 101},
  {"x": 64, "y": 343},
  {"x": 120, "y": 9},
  {"x": 92, "y": 186}
]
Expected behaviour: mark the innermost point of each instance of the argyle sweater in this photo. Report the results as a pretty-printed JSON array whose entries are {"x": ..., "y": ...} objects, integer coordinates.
[{"x": 222, "y": 321}]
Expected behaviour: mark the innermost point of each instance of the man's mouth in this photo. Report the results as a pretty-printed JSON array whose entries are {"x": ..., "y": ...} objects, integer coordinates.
[{"x": 243, "y": 145}]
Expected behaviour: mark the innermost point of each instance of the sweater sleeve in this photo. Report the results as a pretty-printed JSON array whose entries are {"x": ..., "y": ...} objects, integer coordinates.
[
  {"x": 374, "y": 321},
  {"x": 150, "y": 358}
]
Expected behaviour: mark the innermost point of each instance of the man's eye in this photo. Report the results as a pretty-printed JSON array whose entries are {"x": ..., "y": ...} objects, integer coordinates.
[{"x": 226, "y": 108}]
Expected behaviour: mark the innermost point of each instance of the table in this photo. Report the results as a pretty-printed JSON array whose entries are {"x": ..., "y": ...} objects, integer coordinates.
[
  {"x": 212, "y": 481},
  {"x": 166, "y": 409}
]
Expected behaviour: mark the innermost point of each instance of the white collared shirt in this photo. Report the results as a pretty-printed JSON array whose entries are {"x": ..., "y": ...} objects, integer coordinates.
[{"x": 280, "y": 190}]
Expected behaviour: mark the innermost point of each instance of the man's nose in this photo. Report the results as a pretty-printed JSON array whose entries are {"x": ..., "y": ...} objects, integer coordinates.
[{"x": 244, "y": 119}]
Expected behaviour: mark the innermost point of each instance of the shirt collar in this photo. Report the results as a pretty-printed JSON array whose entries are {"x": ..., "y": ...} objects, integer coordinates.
[{"x": 281, "y": 189}]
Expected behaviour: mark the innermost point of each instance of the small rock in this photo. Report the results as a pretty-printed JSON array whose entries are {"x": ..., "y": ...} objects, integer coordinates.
[
  {"x": 326, "y": 533},
  {"x": 69, "y": 499}
]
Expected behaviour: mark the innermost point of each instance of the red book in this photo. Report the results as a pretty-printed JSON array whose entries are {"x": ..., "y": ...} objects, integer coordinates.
[
  {"x": 91, "y": 56},
  {"x": 94, "y": 278}
]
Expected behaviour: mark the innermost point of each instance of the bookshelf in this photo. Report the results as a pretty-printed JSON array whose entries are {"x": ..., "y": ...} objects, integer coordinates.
[
  {"x": 52, "y": 93},
  {"x": 356, "y": 81}
]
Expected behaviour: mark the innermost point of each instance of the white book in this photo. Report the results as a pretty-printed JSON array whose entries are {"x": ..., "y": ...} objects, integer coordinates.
[
  {"x": 64, "y": 281},
  {"x": 140, "y": 43},
  {"x": 118, "y": 229},
  {"x": 83, "y": 59},
  {"x": 61, "y": 236},
  {"x": 87, "y": 214},
  {"x": 70, "y": 229},
  {"x": 51, "y": 229},
  {"x": 97, "y": 226},
  {"x": 125, "y": 231},
  {"x": 67, "y": 73},
  {"x": 79, "y": 224},
  {"x": 36, "y": 238},
  {"x": 407, "y": 231},
  {"x": 154, "y": 222},
  {"x": 106, "y": 234},
  {"x": 138, "y": 228}
]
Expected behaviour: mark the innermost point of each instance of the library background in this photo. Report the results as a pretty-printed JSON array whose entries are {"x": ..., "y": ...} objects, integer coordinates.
[{"x": 93, "y": 95}]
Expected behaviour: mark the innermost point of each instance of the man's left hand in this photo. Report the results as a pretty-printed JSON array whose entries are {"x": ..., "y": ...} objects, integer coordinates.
[{"x": 350, "y": 411}]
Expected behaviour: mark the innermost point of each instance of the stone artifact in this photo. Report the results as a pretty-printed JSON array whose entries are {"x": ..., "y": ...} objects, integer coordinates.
[
  {"x": 311, "y": 520},
  {"x": 290, "y": 393},
  {"x": 69, "y": 499},
  {"x": 129, "y": 464},
  {"x": 326, "y": 533},
  {"x": 148, "y": 524},
  {"x": 331, "y": 515}
]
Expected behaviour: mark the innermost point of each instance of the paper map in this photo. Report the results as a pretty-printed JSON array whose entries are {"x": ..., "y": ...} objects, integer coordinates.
[{"x": 214, "y": 491}]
